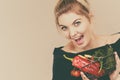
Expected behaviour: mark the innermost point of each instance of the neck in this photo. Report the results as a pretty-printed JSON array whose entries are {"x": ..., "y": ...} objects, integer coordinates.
[{"x": 95, "y": 41}]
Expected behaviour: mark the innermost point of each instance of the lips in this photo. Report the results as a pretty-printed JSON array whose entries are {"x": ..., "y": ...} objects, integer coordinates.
[{"x": 79, "y": 40}]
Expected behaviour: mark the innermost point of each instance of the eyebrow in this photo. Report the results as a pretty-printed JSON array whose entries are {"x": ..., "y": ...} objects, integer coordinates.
[
  {"x": 61, "y": 25},
  {"x": 72, "y": 23},
  {"x": 75, "y": 20}
]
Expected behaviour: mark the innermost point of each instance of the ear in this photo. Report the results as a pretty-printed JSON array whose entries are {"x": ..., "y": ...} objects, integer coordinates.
[{"x": 91, "y": 16}]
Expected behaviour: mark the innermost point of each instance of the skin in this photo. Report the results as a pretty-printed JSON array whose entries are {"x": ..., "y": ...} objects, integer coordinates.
[
  {"x": 73, "y": 26},
  {"x": 79, "y": 31}
]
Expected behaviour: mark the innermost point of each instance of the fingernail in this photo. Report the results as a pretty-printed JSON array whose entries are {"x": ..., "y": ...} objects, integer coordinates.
[
  {"x": 81, "y": 72},
  {"x": 115, "y": 52}
]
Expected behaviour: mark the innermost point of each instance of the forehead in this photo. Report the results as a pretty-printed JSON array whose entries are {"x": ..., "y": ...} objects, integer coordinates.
[{"x": 68, "y": 18}]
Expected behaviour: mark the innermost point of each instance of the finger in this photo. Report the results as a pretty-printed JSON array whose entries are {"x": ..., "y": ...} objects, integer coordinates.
[
  {"x": 117, "y": 61},
  {"x": 117, "y": 58},
  {"x": 116, "y": 55},
  {"x": 83, "y": 76}
]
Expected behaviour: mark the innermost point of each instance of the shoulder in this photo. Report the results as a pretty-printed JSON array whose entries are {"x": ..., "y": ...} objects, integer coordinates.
[
  {"x": 114, "y": 37},
  {"x": 57, "y": 50},
  {"x": 68, "y": 47}
]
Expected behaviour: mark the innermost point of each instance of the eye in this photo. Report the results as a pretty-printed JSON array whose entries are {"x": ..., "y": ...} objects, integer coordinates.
[
  {"x": 77, "y": 23},
  {"x": 64, "y": 28}
]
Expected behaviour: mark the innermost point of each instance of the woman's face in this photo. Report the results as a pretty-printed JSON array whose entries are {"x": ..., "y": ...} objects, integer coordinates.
[{"x": 76, "y": 28}]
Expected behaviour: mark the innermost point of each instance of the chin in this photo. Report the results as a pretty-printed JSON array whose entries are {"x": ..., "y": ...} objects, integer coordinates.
[{"x": 82, "y": 46}]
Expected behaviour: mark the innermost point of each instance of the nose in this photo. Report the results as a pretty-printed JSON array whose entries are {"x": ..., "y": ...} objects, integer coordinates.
[{"x": 73, "y": 32}]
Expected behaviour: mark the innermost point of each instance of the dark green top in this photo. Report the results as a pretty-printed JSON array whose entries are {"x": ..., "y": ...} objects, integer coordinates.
[{"x": 62, "y": 67}]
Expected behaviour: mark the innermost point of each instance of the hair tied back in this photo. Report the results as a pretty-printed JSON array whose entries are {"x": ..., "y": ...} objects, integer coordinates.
[{"x": 84, "y": 3}]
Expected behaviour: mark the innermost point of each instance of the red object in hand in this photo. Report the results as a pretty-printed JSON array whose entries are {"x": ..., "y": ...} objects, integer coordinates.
[
  {"x": 75, "y": 73},
  {"x": 86, "y": 66}
]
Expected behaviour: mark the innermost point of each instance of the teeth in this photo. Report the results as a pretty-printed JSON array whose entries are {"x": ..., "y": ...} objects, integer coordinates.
[{"x": 79, "y": 38}]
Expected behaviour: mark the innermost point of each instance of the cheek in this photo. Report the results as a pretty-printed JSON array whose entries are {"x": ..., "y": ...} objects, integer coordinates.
[
  {"x": 66, "y": 34},
  {"x": 83, "y": 28}
]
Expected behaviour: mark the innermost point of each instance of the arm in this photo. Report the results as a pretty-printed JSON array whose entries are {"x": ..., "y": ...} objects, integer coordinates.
[
  {"x": 57, "y": 69},
  {"x": 115, "y": 74},
  {"x": 60, "y": 71}
]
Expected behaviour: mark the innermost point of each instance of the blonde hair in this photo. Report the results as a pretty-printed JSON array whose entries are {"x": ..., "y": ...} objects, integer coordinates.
[{"x": 80, "y": 7}]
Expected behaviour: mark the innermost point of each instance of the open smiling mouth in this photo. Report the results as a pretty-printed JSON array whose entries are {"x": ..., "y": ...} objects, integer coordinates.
[{"x": 79, "y": 40}]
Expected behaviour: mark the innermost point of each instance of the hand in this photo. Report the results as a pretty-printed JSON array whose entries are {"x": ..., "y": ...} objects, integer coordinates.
[
  {"x": 115, "y": 74},
  {"x": 84, "y": 77}
]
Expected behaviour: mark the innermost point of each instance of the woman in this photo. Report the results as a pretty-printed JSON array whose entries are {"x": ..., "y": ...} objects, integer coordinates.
[{"x": 74, "y": 22}]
